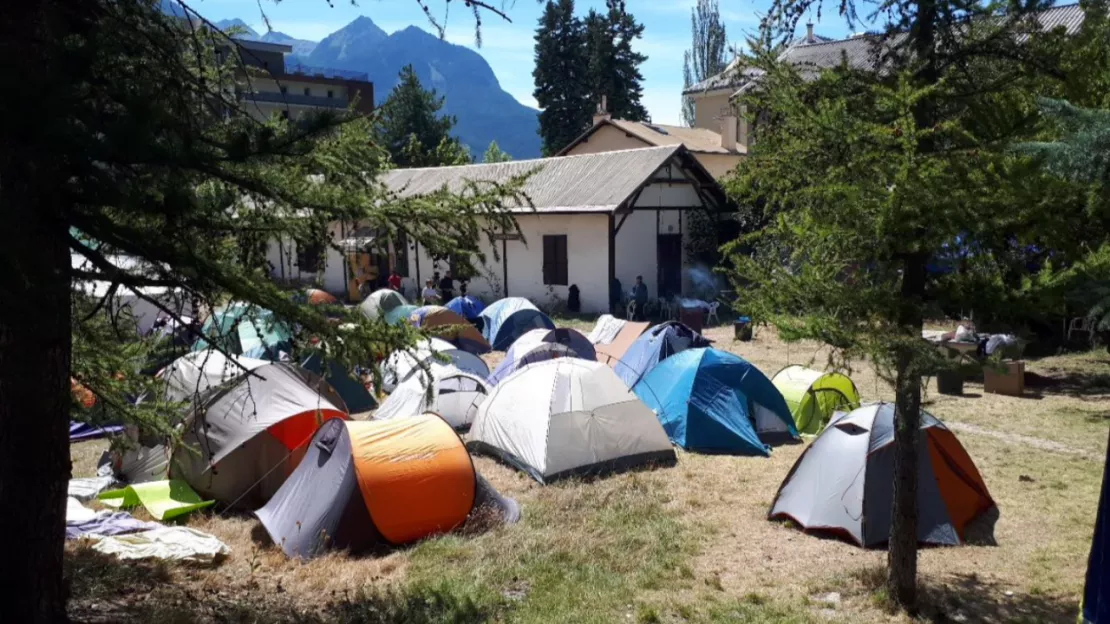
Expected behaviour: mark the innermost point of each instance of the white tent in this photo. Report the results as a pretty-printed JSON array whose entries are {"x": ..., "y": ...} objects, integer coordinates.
[
  {"x": 565, "y": 417},
  {"x": 455, "y": 396},
  {"x": 195, "y": 373},
  {"x": 402, "y": 364}
]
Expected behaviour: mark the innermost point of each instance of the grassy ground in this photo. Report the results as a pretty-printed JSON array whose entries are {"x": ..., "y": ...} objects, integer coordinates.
[{"x": 682, "y": 544}]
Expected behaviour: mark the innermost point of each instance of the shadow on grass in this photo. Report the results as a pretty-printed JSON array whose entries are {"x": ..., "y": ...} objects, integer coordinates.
[
  {"x": 1071, "y": 382},
  {"x": 105, "y": 589},
  {"x": 971, "y": 598}
]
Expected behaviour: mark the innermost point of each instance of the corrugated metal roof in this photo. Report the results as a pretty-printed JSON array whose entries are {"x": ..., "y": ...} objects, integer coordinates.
[
  {"x": 590, "y": 183},
  {"x": 862, "y": 52}
]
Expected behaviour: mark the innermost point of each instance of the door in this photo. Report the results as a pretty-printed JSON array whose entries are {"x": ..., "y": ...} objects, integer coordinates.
[{"x": 670, "y": 265}]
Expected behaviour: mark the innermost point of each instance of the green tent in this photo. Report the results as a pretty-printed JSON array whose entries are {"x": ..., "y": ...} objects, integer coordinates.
[{"x": 813, "y": 396}]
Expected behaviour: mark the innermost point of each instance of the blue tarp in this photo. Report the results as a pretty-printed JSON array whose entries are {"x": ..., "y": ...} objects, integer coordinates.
[
  {"x": 654, "y": 346},
  {"x": 508, "y": 319},
  {"x": 714, "y": 401},
  {"x": 1096, "y": 596},
  {"x": 467, "y": 307}
]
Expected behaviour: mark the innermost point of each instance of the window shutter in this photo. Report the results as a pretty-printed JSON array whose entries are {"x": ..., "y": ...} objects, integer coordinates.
[{"x": 561, "y": 254}]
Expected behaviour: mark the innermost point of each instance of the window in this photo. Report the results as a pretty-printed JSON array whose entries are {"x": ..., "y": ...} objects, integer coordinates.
[
  {"x": 331, "y": 94},
  {"x": 284, "y": 89},
  {"x": 555, "y": 259},
  {"x": 307, "y": 91},
  {"x": 310, "y": 256}
]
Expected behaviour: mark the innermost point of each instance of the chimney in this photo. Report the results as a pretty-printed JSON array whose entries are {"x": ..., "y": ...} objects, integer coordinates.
[
  {"x": 602, "y": 113},
  {"x": 728, "y": 131},
  {"x": 809, "y": 33}
]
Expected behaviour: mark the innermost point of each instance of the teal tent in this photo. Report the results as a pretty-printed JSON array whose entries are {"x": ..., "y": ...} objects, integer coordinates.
[{"x": 246, "y": 330}]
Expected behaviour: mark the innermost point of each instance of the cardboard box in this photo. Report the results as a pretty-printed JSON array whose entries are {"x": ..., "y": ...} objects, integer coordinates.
[{"x": 1009, "y": 379}]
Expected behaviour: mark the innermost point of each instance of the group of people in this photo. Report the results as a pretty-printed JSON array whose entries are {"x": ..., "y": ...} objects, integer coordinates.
[{"x": 445, "y": 292}]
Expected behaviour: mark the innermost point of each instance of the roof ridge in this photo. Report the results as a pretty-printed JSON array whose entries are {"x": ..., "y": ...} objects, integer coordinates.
[{"x": 539, "y": 160}]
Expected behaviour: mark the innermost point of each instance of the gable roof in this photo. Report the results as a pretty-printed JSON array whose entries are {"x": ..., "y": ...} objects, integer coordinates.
[
  {"x": 697, "y": 140},
  {"x": 861, "y": 51},
  {"x": 586, "y": 183}
]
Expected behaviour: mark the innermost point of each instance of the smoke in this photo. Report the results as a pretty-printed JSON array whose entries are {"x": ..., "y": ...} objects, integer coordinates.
[{"x": 704, "y": 283}]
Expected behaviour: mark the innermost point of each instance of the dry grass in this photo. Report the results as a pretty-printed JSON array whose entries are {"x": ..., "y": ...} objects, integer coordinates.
[{"x": 688, "y": 543}]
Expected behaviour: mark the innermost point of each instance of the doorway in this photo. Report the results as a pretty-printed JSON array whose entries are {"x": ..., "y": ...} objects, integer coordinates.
[{"x": 669, "y": 258}]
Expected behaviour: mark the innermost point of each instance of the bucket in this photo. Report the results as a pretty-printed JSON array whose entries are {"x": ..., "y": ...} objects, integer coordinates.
[
  {"x": 950, "y": 383},
  {"x": 742, "y": 329}
]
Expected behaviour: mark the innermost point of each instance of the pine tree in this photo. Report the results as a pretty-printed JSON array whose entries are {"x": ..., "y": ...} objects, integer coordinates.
[
  {"x": 708, "y": 53},
  {"x": 614, "y": 67},
  {"x": 494, "y": 154},
  {"x": 866, "y": 179},
  {"x": 562, "y": 90},
  {"x": 135, "y": 147},
  {"x": 411, "y": 127}
]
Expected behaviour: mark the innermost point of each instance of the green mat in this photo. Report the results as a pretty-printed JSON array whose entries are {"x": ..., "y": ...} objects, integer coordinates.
[{"x": 165, "y": 500}]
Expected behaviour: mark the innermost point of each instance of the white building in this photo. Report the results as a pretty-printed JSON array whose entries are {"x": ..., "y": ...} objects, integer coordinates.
[{"x": 596, "y": 217}]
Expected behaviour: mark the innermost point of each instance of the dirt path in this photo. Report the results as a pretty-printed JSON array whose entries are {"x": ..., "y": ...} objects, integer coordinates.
[{"x": 1024, "y": 440}]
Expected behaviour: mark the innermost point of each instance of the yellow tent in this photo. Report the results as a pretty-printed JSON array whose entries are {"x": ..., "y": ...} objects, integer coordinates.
[{"x": 813, "y": 396}]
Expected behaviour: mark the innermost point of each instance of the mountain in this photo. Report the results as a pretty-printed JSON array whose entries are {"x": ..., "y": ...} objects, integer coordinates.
[
  {"x": 244, "y": 30},
  {"x": 484, "y": 111},
  {"x": 301, "y": 47}
]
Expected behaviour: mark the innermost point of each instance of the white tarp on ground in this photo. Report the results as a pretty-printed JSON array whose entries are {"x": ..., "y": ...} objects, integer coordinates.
[
  {"x": 565, "y": 416},
  {"x": 86, "y": 488},
  {"x": 166, "y": 543},
  {"x": 606, "y": 329}
]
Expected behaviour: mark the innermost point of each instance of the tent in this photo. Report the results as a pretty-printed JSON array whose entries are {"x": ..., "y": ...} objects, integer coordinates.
[
  {"x": 455, "y": 397},
  {"x": 467, "y": 307},
  {"x": 193, "y": 374},
  {"x": 315, "y": 296},
  {"x": 508, "y": 319},
  {"x": 243, "y": 438},
  {"x": 714, "y": 401},
  {"x": 247, "y": 330},
  {"x": 364, "y": 485},
  {"x": 401, "y": 364},
  {"x": 380, "y": 302},
  {"x": 566, "y": 417},
  {"x": 654, "y": 346},
  {"x": 353, "y": 392},
  {"x": 612, "y": 337},
  {"x": 539, "y": 345},
  {"x": 813, "y": 396},
  {"x": 452, "y": 327},
  {"x": 843, "y": 484},
  {"x": 1096, "y": 594},
  {"x": 400, "y": 314}
]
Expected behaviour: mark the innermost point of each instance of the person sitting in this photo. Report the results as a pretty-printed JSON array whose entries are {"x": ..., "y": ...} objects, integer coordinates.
[
  {"x": 639, "y": 297},
  {"x": 429, "y": 295},
  {"x": 395, "y": 280}
]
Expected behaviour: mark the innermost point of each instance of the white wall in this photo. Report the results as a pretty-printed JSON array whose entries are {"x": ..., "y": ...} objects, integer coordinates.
[
  {"x": 282, "y": 256},
  {"x": 637, "y": 247}
]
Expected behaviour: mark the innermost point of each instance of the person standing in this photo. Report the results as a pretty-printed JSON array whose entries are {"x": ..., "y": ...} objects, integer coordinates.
[
  {"x": 447, "y": 287},
  {"x": 395, "y": 280},
  {"x": 640, "y": 296},
  {"x": 429, "y": 294}
]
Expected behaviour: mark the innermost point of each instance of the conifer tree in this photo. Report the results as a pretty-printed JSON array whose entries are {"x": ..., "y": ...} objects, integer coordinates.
[
  {"x": 614, "y": 67},
  {"x": 708, "y": 51},
  {"x": 494, "y": 154},
  {"x": 411, "y": 127},
  {"x": 562, "y": 88}
]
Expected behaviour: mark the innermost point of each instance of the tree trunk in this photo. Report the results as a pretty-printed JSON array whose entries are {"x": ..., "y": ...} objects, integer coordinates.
[
  {"x": 34, "y": 401},
  {"x": 902, "y": 552},
  {"x": 35, "y": 342}
]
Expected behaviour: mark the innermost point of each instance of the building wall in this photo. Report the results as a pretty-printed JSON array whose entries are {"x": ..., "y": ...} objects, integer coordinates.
[
  {"x": 707, "y": 111},
  {"x": 282, "y": 256},
  {"x": 607, "y": 139},
  {"x": 719, "y": 165}
]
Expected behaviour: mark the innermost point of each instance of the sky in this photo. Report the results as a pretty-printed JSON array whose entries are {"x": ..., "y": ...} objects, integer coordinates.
[{"x": 508, "y": 47}]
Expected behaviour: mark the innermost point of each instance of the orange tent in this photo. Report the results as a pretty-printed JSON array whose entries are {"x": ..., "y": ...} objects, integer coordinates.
[
  {"x": 451, "y": 326},
  {"x": 372, "y": 483},
  {"x": 315, "y": 296}
]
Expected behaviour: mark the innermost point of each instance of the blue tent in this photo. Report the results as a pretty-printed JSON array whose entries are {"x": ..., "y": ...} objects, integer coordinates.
[
  {"x": 508, "y": 319},
  {"x": 466, "y": 306},
  {"x": 351, "y": 390},
  {"x": 1096, "y": 596},
  {"x": 714, "y": 401},
  {"x": 654, "y": 346}
]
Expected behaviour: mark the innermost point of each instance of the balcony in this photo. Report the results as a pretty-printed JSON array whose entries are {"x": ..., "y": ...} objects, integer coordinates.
[
  {"x": 325, "y": 72},
  {"x": 293, "y": 99}
]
